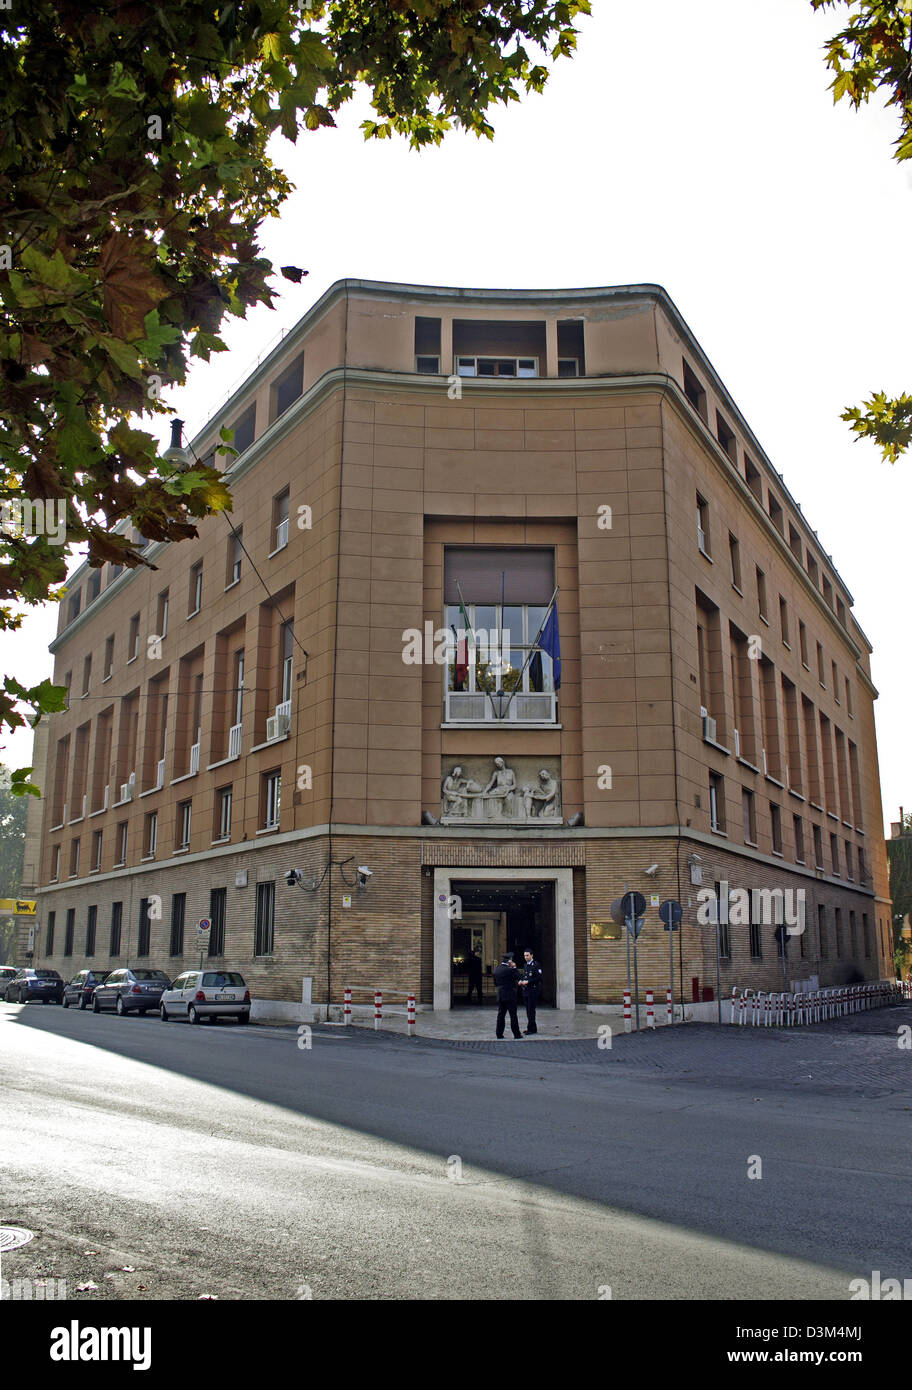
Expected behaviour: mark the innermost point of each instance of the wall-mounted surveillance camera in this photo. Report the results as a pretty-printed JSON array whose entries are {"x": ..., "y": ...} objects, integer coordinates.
[
  {"x": 694, "y": 859},
  {"x": 652, "y": 870},
  {"x": 364, "y": 874},
  {"x": 293, "y": 877}
]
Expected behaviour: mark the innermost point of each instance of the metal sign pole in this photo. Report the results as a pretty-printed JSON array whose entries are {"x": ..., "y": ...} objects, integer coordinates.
[
  {"x": 636, "y": 978},
  {"x": 627, "y": 934},
  {"x": 671, "y": 973}
]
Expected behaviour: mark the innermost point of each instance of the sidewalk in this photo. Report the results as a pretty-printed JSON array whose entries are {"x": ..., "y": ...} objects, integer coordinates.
[{"x": 477, "y": 1024}]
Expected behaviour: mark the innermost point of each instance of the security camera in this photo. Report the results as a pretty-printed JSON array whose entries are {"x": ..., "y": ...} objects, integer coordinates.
[
  {"x": 364, "y": 874},
  {"x": 694, "y": 859},
  {"x": 652, "y": 870},
  {"x": 293, "y": 877}
]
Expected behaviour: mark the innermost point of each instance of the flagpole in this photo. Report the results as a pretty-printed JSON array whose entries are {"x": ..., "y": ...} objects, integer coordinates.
[{"x": 531, "y": 650}]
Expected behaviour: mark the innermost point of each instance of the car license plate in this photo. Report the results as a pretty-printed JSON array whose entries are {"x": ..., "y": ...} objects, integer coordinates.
[{"x": 224, "y": 999}]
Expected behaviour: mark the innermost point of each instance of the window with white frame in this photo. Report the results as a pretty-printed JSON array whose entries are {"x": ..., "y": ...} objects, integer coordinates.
[
  {"x": 224, "y": 813},
  {"x": 510, "y": 367},
  {"x": 184, "y": 817},
  {"x": 272, "y": 799},
  {"x": 196, "y": 589},
  {"x": 280, "y": 521}
]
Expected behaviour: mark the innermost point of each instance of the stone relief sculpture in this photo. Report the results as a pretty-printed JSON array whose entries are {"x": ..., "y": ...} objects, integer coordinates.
[{"x": 501, "y": 799}]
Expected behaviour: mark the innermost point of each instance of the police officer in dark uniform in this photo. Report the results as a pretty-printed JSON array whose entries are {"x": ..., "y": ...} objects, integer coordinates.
[
  {"x": 531, "y": 980},
  {"x": 506, "y": 979}
]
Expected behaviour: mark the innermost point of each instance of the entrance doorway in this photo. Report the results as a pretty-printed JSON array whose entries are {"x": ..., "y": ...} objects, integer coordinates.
[{"x": 499, "y": 916}]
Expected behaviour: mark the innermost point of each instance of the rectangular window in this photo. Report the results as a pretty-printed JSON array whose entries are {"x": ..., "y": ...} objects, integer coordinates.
[
  {"x": 734, "y": 554},
  {"x": 272, "y": 800},
  {"x": 568, "y": 366},
  {"x": 818, "y": 847},
  {"x": 96, "y": 850},
  {"x": 756, "y": 941},
  {"x": 288, "y": 387},
  {"x": 427, "y": 365},
  {"x": 162, "y": 614},
  {"x": 835, "y": 674},
  {"x": 144, "y": 933},
  {"x": 178, "y": 913},
  {"x": 716, "y": 802},
  {"x": 837, "y": 929},
  {"x": 235, "y": 557},
  {"x": 853, "y": 933},
  {"x": 504, "y": 367},
  {"x": 834, "y": 853},
  {"x": 121, "y": 842},
  {"x": 116, "y": 928},
  {"x": 133, "y": 641},
  {"x": 49, "y": 934},
  {"x": 265, "y": 920},
  {"x": 218, "y": 901},
  {"x": 749, "y": 816},
  {"x": 840, "y": 610},
  {"x": 752, "y": 478},
  {"x": 811, "y": 566},
  {"x": 55, "y": 863},
  {"x": 75, "y": 605},
  {"x": 703, "y": 525},
  {"x": 74, "y": 859},
  {"x": 784, "y": 621},
  {"x": 776, "y": 827},
  {"x": 724, "y": 933},
  {"x": 86, "y": 675},
  {"x": 848, "y": 698},
  {"x": 280, "y": 505},
  {"x": 244, "y": 430},
  {"x": 726, "y": 438},
  {"x": 109, "y": 658},
  {"x": 822, "y": 931},
  {"x": 795, "y": 542},
  {"x": 803, "y": 643},
  {"x": 151, "y": 834},
  {"x": 850, "y": 867},
  {"x": 184, "y": 817},
  {"x": 827, "y": 591},
  {"x": 798, "y": 827},
  {"x": 775, "y": 512},
  {"x": 91, "y": 928},
  {"x": 866, "y": 933},
  {"x": 223, "y": 812},
  {"x": 821, "y": 671},
  {"x": 761, "y": 594},
  {"x": 287, "y": 640},
  {"x": 693, "y": 390},
  {"x": 69, "y": 932},
  {"x": 195, "y": 597}
]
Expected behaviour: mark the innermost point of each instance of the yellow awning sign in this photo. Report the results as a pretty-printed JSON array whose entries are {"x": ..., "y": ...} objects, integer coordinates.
[{"x": 18, "y": 907}]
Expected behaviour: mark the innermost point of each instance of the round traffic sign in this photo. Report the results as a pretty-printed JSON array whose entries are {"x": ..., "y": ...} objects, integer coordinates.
[
  {"x": 203, "y": 925},
  {"x": 634, "y": 904},
  {"x": 671, "y": 912}
]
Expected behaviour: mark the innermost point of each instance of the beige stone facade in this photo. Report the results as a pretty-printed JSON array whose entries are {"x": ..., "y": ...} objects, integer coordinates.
[{"x": 715, "y": 715}]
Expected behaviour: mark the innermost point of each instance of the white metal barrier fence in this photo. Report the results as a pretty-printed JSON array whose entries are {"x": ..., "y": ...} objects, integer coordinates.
[{"x": 759, "y": 1009}]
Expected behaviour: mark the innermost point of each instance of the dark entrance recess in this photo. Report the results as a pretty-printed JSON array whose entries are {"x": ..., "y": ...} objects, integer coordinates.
[{"x": 523, "y": 914}]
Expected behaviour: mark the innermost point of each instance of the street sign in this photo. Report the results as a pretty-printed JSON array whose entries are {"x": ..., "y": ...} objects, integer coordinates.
[
  {"x": 633, "y": 904},
  {"x": 202, "y": 926},
  {"x": 18, "y": 907},
  {"x": 635, "y": 927},
  {"x": 671, "y": 913}
]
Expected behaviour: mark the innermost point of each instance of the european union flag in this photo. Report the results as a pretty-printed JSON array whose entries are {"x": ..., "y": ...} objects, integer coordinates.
[{"x": 550, "y": 642}]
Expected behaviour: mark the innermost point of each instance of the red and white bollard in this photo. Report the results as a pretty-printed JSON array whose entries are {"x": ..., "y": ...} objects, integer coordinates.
[
  {"x": 378, "y": 1007},
  {"x": 650, "y": 1010},
  {"x": 411, "y": 1015},
  {"x": 668, "y": 1005},
  {"x": 627, "y": 1023},
  {"x": 347, "y": 1007}
]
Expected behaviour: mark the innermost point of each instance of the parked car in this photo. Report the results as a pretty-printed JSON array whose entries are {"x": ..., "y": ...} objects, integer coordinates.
[
  {"x": 130, "y": 991},
  {"x": 80, "y": 989},
  {"x": 7, "y": 973},
  {"x": 35, "y": 984},
  {"x": 211, "y": 994}
]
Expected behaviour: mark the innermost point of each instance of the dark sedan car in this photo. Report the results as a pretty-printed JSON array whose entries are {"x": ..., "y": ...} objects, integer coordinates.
[
  {"x": 35, "y": 984},
  {"x": 80, "y": 989},
  {"x": 130, "y": 991}
]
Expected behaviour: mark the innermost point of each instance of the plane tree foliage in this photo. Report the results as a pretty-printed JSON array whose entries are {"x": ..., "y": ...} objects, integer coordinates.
[{"x": 135, "y": 176}]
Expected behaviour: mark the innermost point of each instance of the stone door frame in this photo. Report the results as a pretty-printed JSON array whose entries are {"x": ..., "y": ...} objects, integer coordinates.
[{"x": 564, "y": 969}]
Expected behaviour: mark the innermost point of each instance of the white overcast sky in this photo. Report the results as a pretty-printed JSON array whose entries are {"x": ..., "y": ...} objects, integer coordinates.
[{"x": 695, "y": 146}]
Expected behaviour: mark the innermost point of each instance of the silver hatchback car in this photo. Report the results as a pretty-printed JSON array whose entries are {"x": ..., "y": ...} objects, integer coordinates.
[{"x": 211, "y": 994}]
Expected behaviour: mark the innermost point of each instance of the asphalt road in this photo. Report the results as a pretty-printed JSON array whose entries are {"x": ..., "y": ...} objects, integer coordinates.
[{"x": 166, "y": 1162}]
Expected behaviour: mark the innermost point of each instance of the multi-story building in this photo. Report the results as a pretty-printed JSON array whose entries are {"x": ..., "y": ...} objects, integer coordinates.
[{"x": 280, "y": 694}]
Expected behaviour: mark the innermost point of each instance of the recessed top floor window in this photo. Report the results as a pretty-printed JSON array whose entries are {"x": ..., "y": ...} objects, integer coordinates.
[
  {"x": 280, "y": 521},
  {"x": 509, "y": 367},
  {"x": 840, "y": 610},
  {"x": 93, "y": 588},
  {"x": 811, "y": 566},
  {"x": 752, "y": 478},
  {"x": 726, "y": 437},
  {"x": 794, "y": 541},
  {"x": 74, "y": 605},
  {"x": 427, "y": 345},
  {"x": 427, "y": 365},
  {"x": 775, "y": 512},
  {"x": 196, "y": 589},
  {"x": 244, "y": 429},
  {"x": 568, "y": 366},
  {"x": 113, "y": 572},
  {"x": 288, "y": 387},
  {"x": 827, "y": 591},
  {"x": 694, "y": 391}
]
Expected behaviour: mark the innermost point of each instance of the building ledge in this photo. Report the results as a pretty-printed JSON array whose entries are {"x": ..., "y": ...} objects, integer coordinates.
[
  {"x": 775, "y": 781},
  {"x": 719, "y": 746},
  {"x": 745, "y": 763},
  {"x": 500, "y": 725},
  {"x": 796, "y": 795},
  {"x": 152, "y": 791},
  {"x": 270, "y": 743},
  {"x": 183, "y": 778},
  {"x": 224, "y": 761}
]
